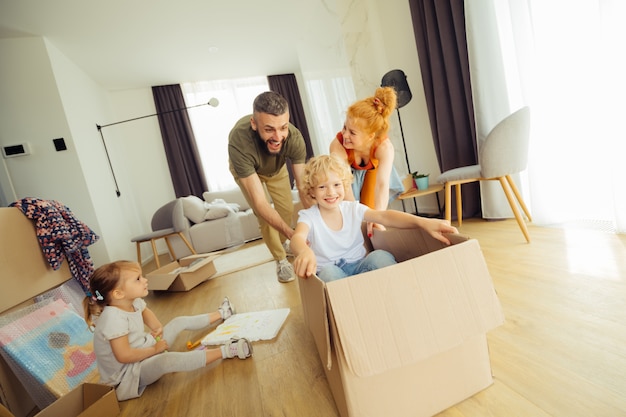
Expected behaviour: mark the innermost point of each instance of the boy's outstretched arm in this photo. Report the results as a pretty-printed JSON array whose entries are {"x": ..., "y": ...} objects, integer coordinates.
[
  {"x": 305, "y": 263},
  {"x": 437, "y": 228}
]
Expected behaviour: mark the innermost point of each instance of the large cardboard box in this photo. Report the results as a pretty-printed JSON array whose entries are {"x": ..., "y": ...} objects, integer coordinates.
[
  {"x": 86, "y": 400},
  {"x": 409, "y": 339},
  {"x": 184, "y": 274}
]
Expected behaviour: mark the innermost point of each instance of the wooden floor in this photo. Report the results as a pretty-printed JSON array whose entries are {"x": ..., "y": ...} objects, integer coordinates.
[{"x": 561, "y": 352}]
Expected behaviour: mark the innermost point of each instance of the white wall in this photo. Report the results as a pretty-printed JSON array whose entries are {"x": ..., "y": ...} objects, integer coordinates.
[
  {"x": 86, "y": 105},
  {"x": 33, "y": 112},
  {"x": 45, "y": 96},
  {"x": 138, "y": 159}
]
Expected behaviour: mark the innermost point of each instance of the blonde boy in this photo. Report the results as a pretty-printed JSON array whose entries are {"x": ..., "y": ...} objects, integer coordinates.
[{"x": 328, "y": 239}]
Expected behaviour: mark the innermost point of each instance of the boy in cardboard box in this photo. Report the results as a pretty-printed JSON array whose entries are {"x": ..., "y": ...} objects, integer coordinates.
[{"x": 328, "y": 239}]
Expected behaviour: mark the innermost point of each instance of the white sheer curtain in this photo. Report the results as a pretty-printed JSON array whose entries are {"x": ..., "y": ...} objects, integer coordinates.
[
  {"x": 329, "y": 97},
  {"x": 212, "y": 125},
  {"x": 565, "y": 59}
]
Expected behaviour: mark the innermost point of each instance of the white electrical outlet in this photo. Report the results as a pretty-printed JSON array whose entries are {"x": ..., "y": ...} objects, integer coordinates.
[{"x": 12, "y": 151}]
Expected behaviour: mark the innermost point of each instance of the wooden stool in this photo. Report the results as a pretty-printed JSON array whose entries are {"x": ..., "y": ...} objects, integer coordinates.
[{"x": 160, "y": 234}]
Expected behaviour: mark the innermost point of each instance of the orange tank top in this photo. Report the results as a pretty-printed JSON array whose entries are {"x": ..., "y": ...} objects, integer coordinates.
[{"x": 371, "y": 164}]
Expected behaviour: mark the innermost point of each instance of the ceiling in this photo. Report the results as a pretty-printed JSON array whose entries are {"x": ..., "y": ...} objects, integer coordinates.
[{"x": 125, "y": 44}]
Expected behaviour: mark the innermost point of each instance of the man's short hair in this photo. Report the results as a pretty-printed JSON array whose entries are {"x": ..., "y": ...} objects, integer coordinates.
[{"x": 270, "y": 102}]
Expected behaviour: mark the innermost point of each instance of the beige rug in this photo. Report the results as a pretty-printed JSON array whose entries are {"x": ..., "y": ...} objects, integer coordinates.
[{"x": 240, "y": 259}]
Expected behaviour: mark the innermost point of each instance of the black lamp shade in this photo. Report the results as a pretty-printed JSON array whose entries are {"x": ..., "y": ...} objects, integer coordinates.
[{"x": 397, "y": 80}]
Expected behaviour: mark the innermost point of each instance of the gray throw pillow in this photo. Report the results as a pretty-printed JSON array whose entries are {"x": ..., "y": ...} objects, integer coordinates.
[{"x": 218, "y": 208}]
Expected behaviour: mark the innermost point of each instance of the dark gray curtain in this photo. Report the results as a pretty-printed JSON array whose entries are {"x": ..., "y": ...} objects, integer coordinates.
[
  {"x": 439, "y": 27},
  {"x": 287, "y": 86},
  {"x": 181, "y": 151}
]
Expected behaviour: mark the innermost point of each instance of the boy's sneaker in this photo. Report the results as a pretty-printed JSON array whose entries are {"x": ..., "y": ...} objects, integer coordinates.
[
  {"x": 240, "y": 348},
  {"x": 226, "y": 309},
  {"x": 287, "y": 247},
  {"x": 285, "y": 271}
]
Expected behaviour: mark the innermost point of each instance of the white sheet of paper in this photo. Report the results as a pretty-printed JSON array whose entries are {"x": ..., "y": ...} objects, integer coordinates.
[{"x": 259, "y": 325}]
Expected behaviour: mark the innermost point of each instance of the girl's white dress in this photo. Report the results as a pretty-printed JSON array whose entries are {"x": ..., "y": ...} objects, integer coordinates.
[{"x": 113, "y": 323}]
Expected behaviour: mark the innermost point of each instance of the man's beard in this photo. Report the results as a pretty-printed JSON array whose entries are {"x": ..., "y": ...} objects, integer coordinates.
[
  {"x": 266, "y": 147},
  {"x": 278, "y": 152}
]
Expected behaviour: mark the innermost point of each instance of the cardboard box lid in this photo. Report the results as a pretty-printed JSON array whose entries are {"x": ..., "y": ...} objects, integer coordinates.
[{"x": 405, "y": 313}]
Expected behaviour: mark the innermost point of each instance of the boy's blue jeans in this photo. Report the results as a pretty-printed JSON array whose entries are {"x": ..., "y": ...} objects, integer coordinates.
[{"x": 374, "y": 260}]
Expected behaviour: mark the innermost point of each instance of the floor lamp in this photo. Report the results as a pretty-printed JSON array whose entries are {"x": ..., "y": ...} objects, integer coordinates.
[
  {"x": 212, "y": 102},
  {"x": 397, "y": 79}
]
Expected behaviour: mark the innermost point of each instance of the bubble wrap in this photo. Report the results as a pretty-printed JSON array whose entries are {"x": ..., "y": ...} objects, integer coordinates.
[{"x": 48, "y": 346}]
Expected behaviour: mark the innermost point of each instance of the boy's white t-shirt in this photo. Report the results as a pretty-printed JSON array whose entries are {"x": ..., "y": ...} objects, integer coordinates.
[{"x": 330, "y": 245}]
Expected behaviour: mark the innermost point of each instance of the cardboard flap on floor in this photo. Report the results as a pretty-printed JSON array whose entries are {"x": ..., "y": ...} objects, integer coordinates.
[
  {"x": 184, "y": 274},
  {"x": 414, "y": 310}
]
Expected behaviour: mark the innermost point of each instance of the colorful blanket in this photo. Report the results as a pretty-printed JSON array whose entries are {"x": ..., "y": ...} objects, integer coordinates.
[{"x": 61, "y": 236}]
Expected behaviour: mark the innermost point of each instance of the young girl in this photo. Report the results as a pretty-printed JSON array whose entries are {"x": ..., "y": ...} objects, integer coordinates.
[
  {"x": 128, "y": 357},
  {"x": 333, "y": 226}
]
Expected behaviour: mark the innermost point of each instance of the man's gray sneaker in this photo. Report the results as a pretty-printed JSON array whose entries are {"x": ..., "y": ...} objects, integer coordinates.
[{"x": 285, "y": 271}]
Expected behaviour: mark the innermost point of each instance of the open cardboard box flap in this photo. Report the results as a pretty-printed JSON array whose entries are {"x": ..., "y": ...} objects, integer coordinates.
[
  {"x": 316, "y": 315},
  {"x": 414, "y": 309},
  {"x": 197, "y": 268},
  {"x": 195, "y": 262},
  {"x": 86, "y": 400},
  {"x": 410, "y": 243}
]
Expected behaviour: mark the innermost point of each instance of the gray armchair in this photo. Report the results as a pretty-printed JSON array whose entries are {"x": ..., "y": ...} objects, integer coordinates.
[
  {"x": 504, "y": 152},
  {"x": 164, "y": 227}
]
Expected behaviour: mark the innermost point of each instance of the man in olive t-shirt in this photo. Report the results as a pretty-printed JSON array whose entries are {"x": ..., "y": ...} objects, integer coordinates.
[{"x": 258, "y": 147}]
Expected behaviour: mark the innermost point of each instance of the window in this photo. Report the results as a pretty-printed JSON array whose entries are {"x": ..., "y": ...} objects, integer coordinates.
[
  {"x": 211, "y": 125},
  {"x": 330, "y": 96}
]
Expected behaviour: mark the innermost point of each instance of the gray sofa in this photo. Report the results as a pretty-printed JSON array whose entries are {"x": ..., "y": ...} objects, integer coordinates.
[
  {"x": 211, "y": 225},
  {"x": 220, "y": 220}
]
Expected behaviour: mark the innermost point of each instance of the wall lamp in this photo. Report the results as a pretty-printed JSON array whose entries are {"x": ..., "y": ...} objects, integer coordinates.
[{"x": 213, "y": 102}]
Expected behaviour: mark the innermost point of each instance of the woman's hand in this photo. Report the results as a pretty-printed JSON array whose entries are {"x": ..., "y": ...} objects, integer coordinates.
[{"x": 371, "y": 226}]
